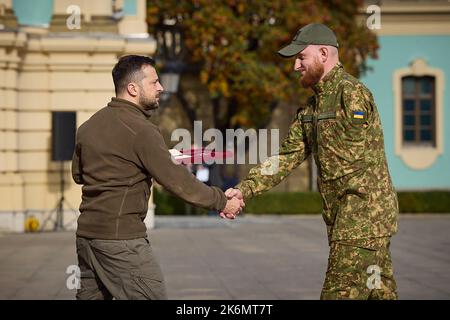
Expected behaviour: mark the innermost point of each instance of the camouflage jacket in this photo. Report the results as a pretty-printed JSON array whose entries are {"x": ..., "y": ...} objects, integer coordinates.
[{"x": 341, "y": 127}]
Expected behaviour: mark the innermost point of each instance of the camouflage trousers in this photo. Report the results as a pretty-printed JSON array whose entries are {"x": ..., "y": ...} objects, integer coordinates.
[{"x": 360, "y": 269}]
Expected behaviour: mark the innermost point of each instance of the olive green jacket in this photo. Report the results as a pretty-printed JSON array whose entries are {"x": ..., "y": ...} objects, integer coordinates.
[{"x": 118, "y": 151}]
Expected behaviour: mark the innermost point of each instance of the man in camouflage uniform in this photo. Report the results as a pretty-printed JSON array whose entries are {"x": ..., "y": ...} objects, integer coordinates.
[{"x": 341, "y": 127}]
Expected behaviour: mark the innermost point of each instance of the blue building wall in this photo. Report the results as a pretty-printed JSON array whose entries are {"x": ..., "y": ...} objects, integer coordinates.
[
  {"x": 397, "y": 52},
  {"x": 130, "y": 7},
  {"x": 33, "y": 13}
]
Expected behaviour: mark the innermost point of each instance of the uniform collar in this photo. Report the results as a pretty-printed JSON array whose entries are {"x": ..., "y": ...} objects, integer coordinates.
[
  {"x": 330, "y": 79},
  {"x": 122, "y": 103}
]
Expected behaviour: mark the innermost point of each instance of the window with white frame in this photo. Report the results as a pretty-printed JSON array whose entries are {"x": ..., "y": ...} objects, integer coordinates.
[{"x": 418, "y": 110}]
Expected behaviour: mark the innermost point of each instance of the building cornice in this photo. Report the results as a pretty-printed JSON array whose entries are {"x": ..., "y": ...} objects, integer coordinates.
[
  {"x": 89, "y": 43},
  {"x": 12, "y": 39},
  {"x": 410, "y": 18}
]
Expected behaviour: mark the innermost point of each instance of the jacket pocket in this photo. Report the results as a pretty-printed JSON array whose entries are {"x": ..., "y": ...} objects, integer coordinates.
[
  {"x": 340, "y": 150},
  {"x": 352, "y": 217},
  {"x": 135, "y": 201},
  {"x": 327, "y": 149},
  {"x": 330, "y": 198},
  {"x": 307, "y": 127}
]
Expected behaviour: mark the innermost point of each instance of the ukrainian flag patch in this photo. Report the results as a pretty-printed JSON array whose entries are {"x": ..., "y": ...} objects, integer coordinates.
[{"x": 358, "y": 114}]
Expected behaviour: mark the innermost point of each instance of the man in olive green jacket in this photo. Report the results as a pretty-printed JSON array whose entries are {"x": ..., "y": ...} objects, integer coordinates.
[{"x": 118, "y": 151}]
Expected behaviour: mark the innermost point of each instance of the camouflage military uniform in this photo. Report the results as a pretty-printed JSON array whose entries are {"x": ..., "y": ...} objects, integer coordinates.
[{"x": 341, "y": 127}]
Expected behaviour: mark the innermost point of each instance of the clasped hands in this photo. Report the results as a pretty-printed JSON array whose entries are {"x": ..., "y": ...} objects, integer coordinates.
[{"x": 235, "y": 204}]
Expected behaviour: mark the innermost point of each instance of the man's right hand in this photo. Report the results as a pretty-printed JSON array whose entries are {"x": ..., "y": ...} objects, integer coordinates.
[
  {"x": 235, "y": 199},
  {"x": 232, "y": 208}
]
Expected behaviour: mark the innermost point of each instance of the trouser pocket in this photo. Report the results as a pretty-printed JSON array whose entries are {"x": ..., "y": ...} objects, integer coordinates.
[
  {"x": 146, "y": 277},
  {"x": 148, "y": 288}
]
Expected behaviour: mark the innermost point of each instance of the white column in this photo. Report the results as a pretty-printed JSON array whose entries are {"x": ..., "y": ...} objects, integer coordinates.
[
  {"x": 150, "y": 218},
  {"x": 136, "y": 24}
]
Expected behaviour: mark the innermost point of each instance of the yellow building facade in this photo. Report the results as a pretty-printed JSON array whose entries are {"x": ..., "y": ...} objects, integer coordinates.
[{"x": 55, "y": 55}]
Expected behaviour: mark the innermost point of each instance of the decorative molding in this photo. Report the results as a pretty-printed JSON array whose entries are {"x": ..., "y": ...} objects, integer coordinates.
[
  {"x": 418, "y": 157},
  {"x": 410, "y": 18},
  {"x": 12, "y": 39}
]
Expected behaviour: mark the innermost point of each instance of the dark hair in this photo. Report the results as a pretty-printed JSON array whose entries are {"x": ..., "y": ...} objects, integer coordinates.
[{"x": 129, "y": 69}]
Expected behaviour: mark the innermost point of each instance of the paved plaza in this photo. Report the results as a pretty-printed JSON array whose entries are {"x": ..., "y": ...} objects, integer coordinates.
[{"x": 253, "y": 257}]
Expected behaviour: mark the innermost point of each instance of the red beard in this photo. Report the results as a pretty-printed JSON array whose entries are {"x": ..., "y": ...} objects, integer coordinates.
[{"x": 312, "y": 74}]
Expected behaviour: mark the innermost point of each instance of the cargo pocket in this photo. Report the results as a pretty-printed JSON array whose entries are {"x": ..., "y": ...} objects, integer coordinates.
[
  {"x": 330, "y": 198},
  {"x": 148, "y": 288},
  {"x": 307, "y": 126},
  {"x": 328, "y": 154},
  {"x": 352, "y": 220}
]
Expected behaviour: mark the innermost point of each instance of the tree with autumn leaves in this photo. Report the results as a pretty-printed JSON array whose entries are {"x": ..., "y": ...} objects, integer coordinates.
[{"x": 234, "y": 45}]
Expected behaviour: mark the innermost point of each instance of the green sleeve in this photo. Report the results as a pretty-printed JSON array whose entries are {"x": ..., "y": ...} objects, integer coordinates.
[
  {"x": 293, "y": 151},
  {"x": 358, "y": 104}
]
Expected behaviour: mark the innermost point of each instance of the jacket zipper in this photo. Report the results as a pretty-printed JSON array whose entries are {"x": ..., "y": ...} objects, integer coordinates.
[{"x": 315, "y": 136}]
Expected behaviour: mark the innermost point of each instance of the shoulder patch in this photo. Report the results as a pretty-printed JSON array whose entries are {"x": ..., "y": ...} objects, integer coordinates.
[{"x": 358, "y": 114}]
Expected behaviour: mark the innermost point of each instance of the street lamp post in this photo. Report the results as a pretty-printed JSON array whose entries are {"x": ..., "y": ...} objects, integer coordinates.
[{"x": 170, "y": 53}]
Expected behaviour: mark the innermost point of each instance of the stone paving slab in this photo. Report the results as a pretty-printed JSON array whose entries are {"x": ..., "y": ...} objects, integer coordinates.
[{"x": 267, "y": 257}]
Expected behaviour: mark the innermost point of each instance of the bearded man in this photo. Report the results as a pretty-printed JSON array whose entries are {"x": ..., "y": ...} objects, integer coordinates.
[{"x": 341, "y": 128}]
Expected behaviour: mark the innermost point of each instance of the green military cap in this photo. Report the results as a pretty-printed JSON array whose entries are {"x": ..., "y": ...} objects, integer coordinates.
[{"x": 313, "y": 33}]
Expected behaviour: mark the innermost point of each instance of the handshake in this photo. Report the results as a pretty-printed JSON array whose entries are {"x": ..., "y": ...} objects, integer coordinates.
[{"x": 235, "y": 204}]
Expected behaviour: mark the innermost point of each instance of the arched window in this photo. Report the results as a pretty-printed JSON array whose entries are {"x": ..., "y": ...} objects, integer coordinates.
[{"x": 418, "y": 110}]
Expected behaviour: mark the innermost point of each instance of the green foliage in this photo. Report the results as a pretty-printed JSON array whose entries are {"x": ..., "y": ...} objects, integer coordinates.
[
  {"x": 419, "y": 202},
  {"x": 168, "y": 204},
  {"x": 235, "y": 43},
  {"x": 309, "y": 203},
  {"x": 285, "y": 203}
]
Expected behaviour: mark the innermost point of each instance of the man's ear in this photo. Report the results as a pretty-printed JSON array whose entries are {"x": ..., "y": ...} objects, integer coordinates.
[
  {"x": 323, "y": 54},
  {"x": 132, "y": 89}
]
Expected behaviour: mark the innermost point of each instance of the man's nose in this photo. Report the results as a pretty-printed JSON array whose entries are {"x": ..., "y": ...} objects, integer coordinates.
[
  {"x": 297, "y": 64},
  {"x": 160, "y": 87}
]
